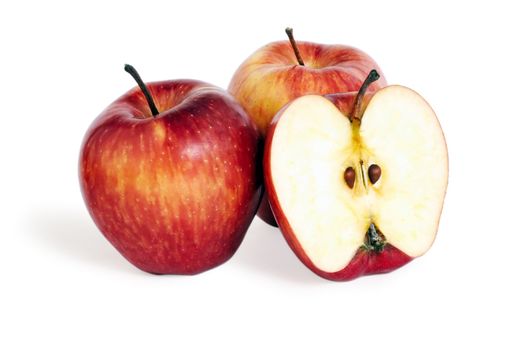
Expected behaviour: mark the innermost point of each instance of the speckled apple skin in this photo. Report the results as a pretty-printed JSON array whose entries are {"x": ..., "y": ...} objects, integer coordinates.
[{"x": 173, "y": 194}]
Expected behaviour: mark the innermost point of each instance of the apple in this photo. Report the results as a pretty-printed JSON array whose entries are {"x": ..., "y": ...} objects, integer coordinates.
[
  {"x": 282, "y": 71},
  {"x": 174, "y": 189},
  {"x": 357, "y": 181}
]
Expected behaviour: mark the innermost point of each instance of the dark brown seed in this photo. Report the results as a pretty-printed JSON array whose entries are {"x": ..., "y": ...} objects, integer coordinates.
[
  {"x": 349, "y": 176},
  {"x": 374, "y": 173}
]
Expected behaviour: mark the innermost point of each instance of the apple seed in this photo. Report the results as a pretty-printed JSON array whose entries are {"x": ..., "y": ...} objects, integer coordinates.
[
  {"x": 374, "y": 173},
  {"x": 349, "y": 176}
]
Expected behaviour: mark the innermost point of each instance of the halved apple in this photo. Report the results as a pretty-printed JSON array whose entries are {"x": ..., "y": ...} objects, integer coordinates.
[{"x": 357, "y": 181}]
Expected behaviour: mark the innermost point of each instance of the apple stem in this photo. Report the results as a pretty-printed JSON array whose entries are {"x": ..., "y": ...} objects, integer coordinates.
[
  {"x": 289, "y": 32},
  {"x": 355, "y": 116},
  {"x": 133, "y": 72}
]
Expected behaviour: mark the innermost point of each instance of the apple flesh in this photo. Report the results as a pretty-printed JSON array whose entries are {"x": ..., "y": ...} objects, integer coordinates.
[
  {"x": 282, "y": 71},
  {"x": 361, "y": 196},
  {"x": 174, "y": 193}
]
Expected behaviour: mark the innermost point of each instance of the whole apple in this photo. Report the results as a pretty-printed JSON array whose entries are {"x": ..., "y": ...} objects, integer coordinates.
[
  {"x": 357, "y": 180},
  {"x": 169, "y": 173},
  {"x": 282, "y": 71}
]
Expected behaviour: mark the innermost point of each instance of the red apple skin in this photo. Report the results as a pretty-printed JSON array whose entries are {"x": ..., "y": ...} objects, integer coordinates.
[
  {"x": 271, "y": 77},
  {"x": 174, "y": 194},
  {"x": 365, "y": 262}
]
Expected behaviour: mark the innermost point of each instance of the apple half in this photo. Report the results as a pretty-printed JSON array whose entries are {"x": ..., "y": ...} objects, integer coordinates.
[{"x": 357, "y": 181}]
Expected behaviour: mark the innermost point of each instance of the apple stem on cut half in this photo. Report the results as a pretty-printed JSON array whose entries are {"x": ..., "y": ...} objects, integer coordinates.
[
  {"x": 289, "y": 32},
  {"x": 133, "y": 72},
  {"x": 355, "y": 115}
]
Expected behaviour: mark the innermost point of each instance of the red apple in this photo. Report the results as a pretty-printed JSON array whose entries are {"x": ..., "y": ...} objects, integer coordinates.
[
  {"x": 173, "y": 189},
  {"x": 282, "y": 71},
  {"x": 357, "y": 181}
]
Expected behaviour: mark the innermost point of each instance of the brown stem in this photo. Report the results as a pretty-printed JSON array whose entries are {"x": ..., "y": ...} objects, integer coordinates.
[
  {"x": 289, "y": 32},
  {"x": 355, "y": 115}
]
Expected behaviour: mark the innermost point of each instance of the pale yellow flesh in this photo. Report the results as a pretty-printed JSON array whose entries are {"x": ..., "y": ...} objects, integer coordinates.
[{"x": 314, "y": 143}]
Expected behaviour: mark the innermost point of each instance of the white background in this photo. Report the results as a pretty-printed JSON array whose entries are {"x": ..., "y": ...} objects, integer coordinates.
[{"x": 64, "y": 287}]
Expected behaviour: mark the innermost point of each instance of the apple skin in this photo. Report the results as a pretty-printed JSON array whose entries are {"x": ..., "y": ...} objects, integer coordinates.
[
  {"x": 364, "y": 262},
  {"x": 271, "y": 77},
  {"x": 174, "y": 194}
]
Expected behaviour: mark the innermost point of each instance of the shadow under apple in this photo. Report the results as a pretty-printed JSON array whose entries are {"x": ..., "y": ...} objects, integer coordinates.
[
  {"x": 264, "y": 250},
  {"x": 74, "y": 235}
]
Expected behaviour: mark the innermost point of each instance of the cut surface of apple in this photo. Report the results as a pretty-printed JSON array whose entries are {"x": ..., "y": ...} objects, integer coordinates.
[{"x": 347, "y": 188}]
